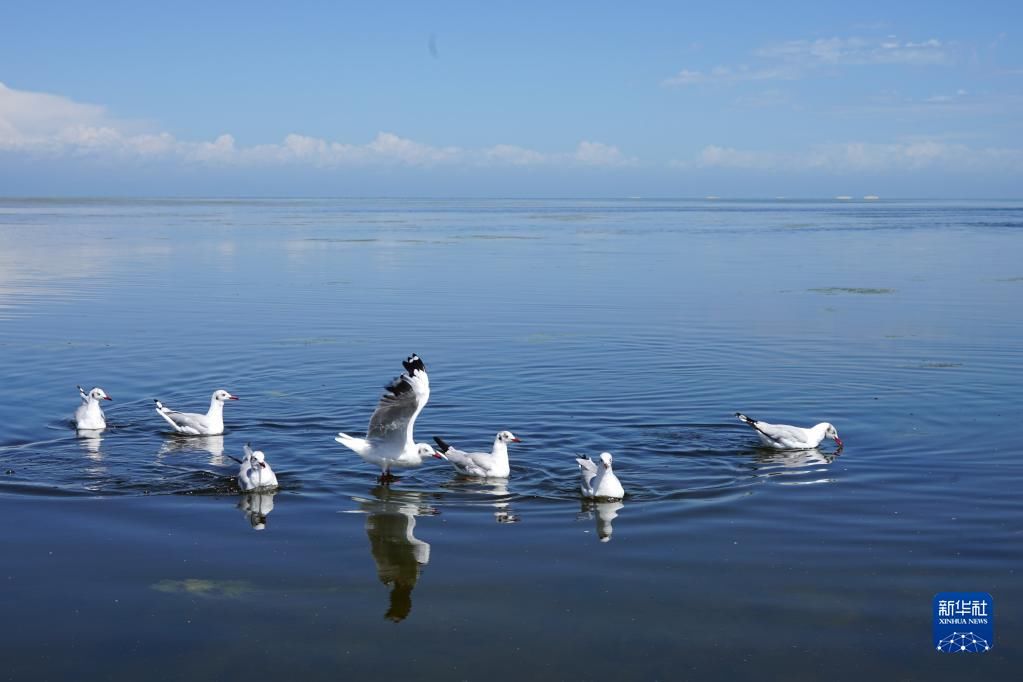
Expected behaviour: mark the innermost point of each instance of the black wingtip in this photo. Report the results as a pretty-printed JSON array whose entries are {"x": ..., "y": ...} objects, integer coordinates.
[
  {"x": 398, "y": 386},
  {"x": 744, "y": 418},
  {"x": 413, "y": 363},
  {"x": 442, "y": 444}
]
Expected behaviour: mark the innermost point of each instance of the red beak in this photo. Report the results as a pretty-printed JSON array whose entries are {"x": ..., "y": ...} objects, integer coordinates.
[
  {"x": 516, "y": 440},
  {"x": 107, "y": 398},
  {"x": 234, "y": 397},
  {"x": 839, "y": 441}
]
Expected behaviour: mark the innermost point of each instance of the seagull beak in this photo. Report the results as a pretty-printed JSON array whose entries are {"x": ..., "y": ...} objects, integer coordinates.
[
  {"x": 262, "y": 465},
  {"x": 439, "y": 456},
  {"x": 516, "y": 440},
  {"x": 106, "y": 397},
  {"x": 234, "y": 397},
  {"x": 840, "y": 443}
]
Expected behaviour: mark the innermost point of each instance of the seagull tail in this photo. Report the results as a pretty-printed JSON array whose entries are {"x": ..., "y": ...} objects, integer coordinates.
[
  {"x": 162, "y": 411},
  {"x": 359, "y": 445}
]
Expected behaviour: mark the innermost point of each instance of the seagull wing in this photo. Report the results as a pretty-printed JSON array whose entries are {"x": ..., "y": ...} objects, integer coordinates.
[{"x": 402, "y": 401}]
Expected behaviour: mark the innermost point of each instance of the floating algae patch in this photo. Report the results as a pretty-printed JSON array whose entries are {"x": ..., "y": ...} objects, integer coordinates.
[
  {"x": 868, "y": 291},
  {"x": 209, "y": 589}
]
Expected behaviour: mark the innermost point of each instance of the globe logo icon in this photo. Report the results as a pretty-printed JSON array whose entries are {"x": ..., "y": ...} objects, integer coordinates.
[{"x": 960, "y": 642}]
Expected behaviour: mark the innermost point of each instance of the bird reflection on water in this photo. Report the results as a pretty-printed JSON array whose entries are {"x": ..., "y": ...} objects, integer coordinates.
[
  {"x": 398, "y": 554},
  {"x": 256, "y": 507},
  {"x": 214, "y": 445},
  {"x": 604, "y": 513},
  {"x": 798, "y": 467}
]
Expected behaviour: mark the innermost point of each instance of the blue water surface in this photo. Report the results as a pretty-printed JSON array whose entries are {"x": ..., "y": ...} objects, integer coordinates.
[{"x": 633, "y": 326}]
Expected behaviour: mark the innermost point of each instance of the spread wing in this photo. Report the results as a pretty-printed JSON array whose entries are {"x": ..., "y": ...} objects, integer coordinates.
[{"x": 402, "y": 401}]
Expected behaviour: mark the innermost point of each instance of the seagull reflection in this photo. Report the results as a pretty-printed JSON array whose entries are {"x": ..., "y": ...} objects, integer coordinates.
[
  {"x": 398, "y": 554},
  {"x": 256, "y": 507},
  {"x": 604, "y": 513},
  {"x": 214, "y": 445},
  {"x": 502, "y": 507},
  {"x": 496, "y": 487},
  {"x": 794, "y": 463},
  {"x": 89, "y": 440},
  {"x": 795, "y": 458}
]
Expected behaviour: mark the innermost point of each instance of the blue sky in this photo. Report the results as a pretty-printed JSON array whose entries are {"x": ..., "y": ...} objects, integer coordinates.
[{"x": 798, "y": 99}]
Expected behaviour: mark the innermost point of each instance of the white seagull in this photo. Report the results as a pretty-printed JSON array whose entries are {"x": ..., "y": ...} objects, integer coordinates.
[
  {"x": 389, "y": 442},
  {"x": 599, "y": 482},
  {"x": 785, "y": 437},
  {"x": 492, "y": 464},
  {"x": 254, "y": 473},
  {"x": 89, "y": 415},
  {"x": 209, "y": 424}
]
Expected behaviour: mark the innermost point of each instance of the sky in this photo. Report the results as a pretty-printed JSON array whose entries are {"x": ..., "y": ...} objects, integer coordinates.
[{"x": 522, "y": 99}]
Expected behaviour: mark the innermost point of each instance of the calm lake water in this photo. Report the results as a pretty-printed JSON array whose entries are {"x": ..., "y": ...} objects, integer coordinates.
[{"x": 637, "y": 327}]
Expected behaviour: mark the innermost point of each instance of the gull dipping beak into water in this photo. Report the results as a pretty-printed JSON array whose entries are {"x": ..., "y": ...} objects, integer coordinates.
[{"x": 785, "y": 437}]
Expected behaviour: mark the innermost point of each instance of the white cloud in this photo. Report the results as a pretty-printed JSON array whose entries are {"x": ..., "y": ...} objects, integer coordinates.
[
  {"x": 599, "y": 154},
  {"x": 793, "y": 58},
  {"x": 50, "y": 125},
  {"x": 863, "y": 157},
  {"x": 730, "y": 74},
  {"x": 856, "y": 50}
]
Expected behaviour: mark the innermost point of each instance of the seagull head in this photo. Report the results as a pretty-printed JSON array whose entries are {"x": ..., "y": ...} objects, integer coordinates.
[
  {"x": 507, "y": 437},
  {"x": 832, "y": 433},
  {"x": 258, "y": 459},
  {"x": 222, "y": 395},
  {"x": 605, "y": 459},
  {"x": 424, "y": 451},
  {"x": 99, "y": 394}
]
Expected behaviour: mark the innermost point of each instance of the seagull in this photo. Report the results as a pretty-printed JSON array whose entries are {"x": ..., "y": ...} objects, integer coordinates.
[
  {"x": 784, "y": 437},
  {"x": 254, "y": 473},
  {"x": 599, "y": 482},
  {"x": 209, "y": 424},
  {"x": 89, "y": 415},
  {"x": 389, "y": 442},
  {"x": 492, "y": 464}
]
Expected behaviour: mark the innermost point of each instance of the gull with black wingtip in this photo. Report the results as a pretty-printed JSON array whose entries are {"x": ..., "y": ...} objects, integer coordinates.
[
  {"x": 389, "y": 441},
  {"x": 599, "y": 480},
  {"x": 493, "y": 464},
  {"x": 193, "y": 424},
  {"x": 785, "y": 437},
  {"x": 89, "y": 415},
  {"x": 254, "y": 473}
]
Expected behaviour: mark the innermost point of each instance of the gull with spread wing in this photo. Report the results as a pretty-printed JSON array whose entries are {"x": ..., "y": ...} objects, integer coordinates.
[{"x": 389, "y": 441}]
